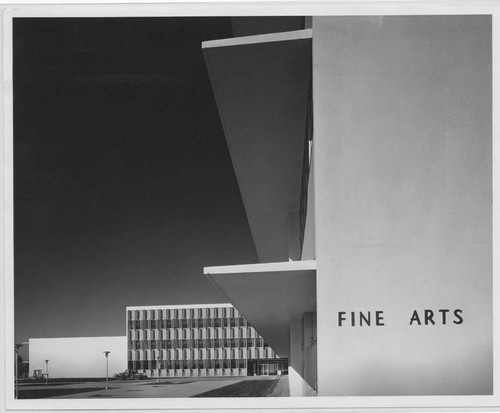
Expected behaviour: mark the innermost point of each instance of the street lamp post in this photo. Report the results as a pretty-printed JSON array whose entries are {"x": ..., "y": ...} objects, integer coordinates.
[
  {"x": 158, "y": 366},
  {"x": 46, "y": 372},
  {"x": 106, "y": 353},
  {"x": 16, "y": 349}
]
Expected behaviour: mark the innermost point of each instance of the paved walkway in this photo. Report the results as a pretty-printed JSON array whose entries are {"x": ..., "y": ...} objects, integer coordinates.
[
  {"x": 147, "y": 389},
  {"x": 282, "y": 388},
  {"x": 167, "y": 387},
  {"x": 153, "y": 389}
]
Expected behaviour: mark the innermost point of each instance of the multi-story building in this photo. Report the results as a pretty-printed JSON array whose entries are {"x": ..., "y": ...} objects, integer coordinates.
[{"x": 197, "y": 340}]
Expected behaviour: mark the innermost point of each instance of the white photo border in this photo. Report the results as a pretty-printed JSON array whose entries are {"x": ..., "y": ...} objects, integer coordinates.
[{"x": 233, "y": 8}]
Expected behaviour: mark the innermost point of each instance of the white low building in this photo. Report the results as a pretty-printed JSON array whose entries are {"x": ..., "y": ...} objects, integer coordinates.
[{"x": 72, "y": 357}]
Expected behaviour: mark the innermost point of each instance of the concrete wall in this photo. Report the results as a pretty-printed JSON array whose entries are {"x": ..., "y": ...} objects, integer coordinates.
[
  {"x": 78, "y": 356},
  {"x": 403, "y": 182},
  {"x": 296, "y": 359},
  {"x": 308, "y": 247}
]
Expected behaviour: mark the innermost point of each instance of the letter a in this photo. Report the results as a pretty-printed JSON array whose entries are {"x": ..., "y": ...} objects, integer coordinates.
[{"x": 414, "y": 317}]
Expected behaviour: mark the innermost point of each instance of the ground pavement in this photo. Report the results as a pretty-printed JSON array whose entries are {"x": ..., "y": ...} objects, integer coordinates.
[{"x": 187, "y": 387}]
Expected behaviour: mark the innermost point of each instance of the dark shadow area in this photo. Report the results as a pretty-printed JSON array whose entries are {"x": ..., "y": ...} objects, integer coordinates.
[{"x": 247, "y": 388}]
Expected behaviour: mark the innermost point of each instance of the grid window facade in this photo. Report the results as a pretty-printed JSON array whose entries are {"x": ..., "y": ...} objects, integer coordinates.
[{"x": 194, "y": 341}]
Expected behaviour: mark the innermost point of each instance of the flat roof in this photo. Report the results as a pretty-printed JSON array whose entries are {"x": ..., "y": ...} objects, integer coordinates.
[
  {"x": 78, "y": 338},
  {"x": 173, "y": 307}
]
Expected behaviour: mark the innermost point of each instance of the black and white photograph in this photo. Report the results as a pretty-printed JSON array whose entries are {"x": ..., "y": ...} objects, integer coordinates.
[{"x": 216, "y": 206}]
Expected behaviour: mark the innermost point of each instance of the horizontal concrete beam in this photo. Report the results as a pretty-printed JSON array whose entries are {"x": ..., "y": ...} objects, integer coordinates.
[{"x": 259, "y": 38}]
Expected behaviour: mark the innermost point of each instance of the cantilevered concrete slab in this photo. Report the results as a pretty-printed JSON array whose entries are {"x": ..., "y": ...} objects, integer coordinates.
[
  {"x": 261, "y": 84},
  {"x": 271, "y": 296}
]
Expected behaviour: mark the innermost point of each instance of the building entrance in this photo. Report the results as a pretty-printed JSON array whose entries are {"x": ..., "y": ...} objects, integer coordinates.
[{"x": 267, "y": 367}]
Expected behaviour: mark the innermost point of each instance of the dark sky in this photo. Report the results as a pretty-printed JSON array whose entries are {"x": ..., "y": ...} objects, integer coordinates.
[{"x": 124, "y": 188}]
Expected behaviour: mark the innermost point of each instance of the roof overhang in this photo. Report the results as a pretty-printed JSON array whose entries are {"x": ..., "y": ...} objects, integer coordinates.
[
  {"x": 261, "y": 85},
  {"x": 270, "y": 296}
]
